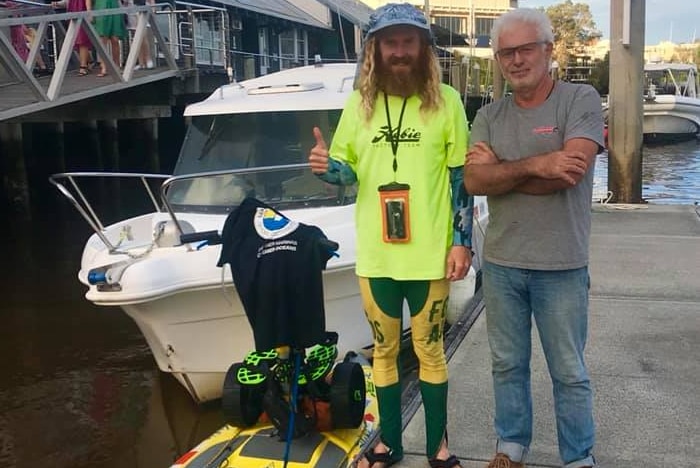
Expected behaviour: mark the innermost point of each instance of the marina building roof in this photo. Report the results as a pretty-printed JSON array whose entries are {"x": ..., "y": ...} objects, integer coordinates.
[
  {"x": 277, "y": 8},
  {"x": 353, "y": 10}
]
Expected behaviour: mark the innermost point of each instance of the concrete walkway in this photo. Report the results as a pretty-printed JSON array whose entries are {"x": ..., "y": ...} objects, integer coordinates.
[{"x": 643, "y": 353}]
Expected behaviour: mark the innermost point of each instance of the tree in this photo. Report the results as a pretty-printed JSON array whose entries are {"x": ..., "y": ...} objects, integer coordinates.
[
  {"x": 600, "y": 75},
  {"x": 574, "y": 28}
]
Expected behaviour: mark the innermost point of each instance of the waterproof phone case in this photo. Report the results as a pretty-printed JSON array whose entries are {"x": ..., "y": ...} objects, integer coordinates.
[{"x": 396, "y": 221}]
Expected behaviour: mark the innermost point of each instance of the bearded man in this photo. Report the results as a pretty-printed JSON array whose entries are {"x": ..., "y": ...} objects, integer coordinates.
[{"x": 402, "y": 138}]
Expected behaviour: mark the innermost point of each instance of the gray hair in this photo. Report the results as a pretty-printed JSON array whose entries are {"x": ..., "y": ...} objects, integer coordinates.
[{"x": 532, "y": 16}]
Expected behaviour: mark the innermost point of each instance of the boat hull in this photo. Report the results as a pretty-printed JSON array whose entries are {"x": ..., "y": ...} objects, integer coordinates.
[{"x": 670, "y": 118}]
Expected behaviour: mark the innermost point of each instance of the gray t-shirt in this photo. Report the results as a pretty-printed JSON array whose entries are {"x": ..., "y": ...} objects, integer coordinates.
[{"x": 540, "y": 232}]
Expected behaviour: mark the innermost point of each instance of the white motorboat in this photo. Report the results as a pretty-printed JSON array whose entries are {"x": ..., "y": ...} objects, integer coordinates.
[
  {"x": 246, "y": 138},
  {"x": 671, "y": 102}
]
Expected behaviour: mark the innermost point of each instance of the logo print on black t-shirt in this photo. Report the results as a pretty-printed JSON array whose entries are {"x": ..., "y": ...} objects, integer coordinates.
[{"x": 272, "y": 225}]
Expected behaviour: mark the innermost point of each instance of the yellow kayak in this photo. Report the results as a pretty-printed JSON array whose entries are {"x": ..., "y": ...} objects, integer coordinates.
[{"x": 340, "y": 431}]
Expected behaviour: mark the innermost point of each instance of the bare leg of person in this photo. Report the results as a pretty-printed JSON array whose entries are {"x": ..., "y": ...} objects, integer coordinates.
[
  {"x": 103, "y": 68},
  {"x": 146, "y": 53},
  {"x": 84, "y": 56},
  {"x": 116, "y": 52}
]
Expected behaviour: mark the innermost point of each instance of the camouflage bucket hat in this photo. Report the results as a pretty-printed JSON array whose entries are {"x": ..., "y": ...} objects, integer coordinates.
[{"x": 394, "y": 14}]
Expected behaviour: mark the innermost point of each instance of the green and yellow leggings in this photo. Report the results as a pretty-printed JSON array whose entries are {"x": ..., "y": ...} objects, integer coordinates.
[{"x": 383, "y": 300}]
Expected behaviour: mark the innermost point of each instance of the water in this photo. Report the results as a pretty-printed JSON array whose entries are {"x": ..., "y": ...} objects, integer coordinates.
[
  {"x": 79, "y": 388},
  {"x": 670, "y": 173}
]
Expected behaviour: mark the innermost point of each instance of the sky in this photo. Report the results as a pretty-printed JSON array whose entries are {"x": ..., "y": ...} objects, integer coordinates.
[{"x": 675, "y": 20}]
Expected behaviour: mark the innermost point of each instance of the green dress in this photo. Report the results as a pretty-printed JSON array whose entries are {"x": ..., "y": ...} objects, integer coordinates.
[{"x": 111, "y": 25}]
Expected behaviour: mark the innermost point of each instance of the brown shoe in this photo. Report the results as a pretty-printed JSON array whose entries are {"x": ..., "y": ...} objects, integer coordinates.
[{"x": 501, "y": 460}]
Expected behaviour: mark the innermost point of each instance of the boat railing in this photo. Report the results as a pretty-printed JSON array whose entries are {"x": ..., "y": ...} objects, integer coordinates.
[
  {"x": 671, "y": 81},
  {"x": 80, "y": 202},
  {"x": 67, "y": 184},
  {"x": 168, "y": 184}
]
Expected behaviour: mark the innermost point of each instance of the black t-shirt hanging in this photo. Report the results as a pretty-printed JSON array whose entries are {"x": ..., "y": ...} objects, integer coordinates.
[{"x": 276, "y": 264}]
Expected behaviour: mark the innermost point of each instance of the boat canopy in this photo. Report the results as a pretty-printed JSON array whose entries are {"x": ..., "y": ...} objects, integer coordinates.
[{"x": 674, "y": 67}]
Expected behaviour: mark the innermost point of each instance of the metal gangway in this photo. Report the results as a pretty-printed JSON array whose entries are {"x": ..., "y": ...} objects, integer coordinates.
[{"x": 182, "y": 38}]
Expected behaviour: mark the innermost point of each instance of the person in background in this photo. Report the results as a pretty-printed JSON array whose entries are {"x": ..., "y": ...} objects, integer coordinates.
[
  {"x": 22, "y": 37},
  {"x": 111, "y": 29},
  {"x": 533, "y": 154},
  {"x": 19, "y": 42},
  {"x": 30, "y": 36},
  {"x": 144, "y": 60},
  {"x": 402, "y": 137},
  {"x": 82, "y": 41}
]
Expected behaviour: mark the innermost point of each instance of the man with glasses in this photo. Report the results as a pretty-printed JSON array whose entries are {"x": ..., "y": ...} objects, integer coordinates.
[{"x": 532, "y": 153}]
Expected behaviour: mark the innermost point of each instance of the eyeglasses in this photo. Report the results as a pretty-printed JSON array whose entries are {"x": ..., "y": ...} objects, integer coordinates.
[{"x": 525, "y": 50}]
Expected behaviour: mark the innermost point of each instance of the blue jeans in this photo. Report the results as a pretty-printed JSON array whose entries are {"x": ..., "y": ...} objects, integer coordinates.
[{"x": 558, "y": 300}]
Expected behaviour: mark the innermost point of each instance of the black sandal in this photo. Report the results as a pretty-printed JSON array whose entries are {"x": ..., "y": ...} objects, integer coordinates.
[
  {"x": 84, "y": 71},
  {"x": 451, "y": 462},
  {"x": 385, "y": 458}
]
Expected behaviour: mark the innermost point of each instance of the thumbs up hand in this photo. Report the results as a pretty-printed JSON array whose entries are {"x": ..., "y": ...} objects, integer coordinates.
[{"x": 318, "y": 156}]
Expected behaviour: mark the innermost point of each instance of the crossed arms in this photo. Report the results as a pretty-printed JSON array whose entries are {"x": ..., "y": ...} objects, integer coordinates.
[{"x": 486, "y": 174}]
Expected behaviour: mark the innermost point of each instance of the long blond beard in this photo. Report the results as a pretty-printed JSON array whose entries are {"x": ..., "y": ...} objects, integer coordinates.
[{"x": 401, "y": 84}]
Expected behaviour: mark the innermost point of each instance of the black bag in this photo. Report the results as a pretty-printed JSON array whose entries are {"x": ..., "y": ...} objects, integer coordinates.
[{"x": 278, "y": 410}]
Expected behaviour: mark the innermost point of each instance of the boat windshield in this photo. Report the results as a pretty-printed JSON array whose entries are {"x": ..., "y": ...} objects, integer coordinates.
[{"x": 250, "y": 140}]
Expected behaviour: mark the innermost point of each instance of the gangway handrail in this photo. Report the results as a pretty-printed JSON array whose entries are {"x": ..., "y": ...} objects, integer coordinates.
[
  {"x": 54, "y": 40},
  {"x": 77, "y": 22},
  {"x": 14, "y": 16}
]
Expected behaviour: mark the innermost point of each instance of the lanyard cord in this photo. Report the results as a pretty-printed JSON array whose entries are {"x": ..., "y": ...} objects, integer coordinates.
[{"x": 394, "y": 141}]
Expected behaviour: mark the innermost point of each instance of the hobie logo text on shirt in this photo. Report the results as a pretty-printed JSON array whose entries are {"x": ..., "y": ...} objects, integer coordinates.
[
  {"x": 408, "y": 135},
  {"x": 545, "y": 130}
]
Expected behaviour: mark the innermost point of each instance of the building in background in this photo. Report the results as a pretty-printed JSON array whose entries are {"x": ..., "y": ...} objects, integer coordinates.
[
  {"x": 580, "y": 65},
  {"x": 272, "y": 35},
  {"x": 264, "y": 36},
  {"x": 472, "y": 19},
  {"x": 464, "y": 29},
  {"x": 666, "y": 51}
]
